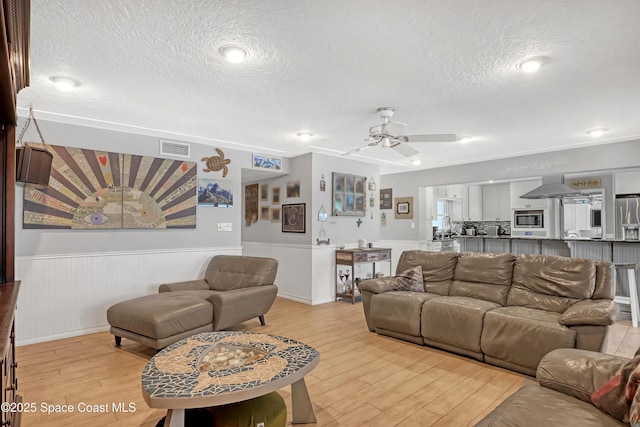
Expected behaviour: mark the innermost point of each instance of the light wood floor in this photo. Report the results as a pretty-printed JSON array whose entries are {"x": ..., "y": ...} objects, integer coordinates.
[{"x": 362, "y": 379}]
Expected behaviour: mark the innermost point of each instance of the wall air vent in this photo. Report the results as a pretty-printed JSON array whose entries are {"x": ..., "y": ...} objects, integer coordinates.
[{"x": 174, "y": 148}]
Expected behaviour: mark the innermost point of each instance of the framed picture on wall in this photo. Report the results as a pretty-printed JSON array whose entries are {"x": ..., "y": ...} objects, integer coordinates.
[
  {"x": 275, "y": 214},
  {"x": 293, "y": 218},
  {"x": 264, "y": 213},
  {"x": 386, "y": 198},
  {"x": 348, "y": 194},
  {"x": 404, "y": 207},
  {"x": 275, "y": 195},
  {"x": 264, "y": 193}
]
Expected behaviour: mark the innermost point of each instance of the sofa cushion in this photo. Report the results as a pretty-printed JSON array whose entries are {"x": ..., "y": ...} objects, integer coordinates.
[
  {"x": 226, "y": 272},
  {"x": 437, "y": 268},
  {"x": 162, "y": 315},
  {"x": 485, "y": 276},
  {"x": 399, "y": 311},
  {"x": 455, "y": 321},
  {"x": 551, "y": 283},
  {"x": 409, "y": 280},
  {"x": 522, "y": 335},
  {"x": 533, "y": 405}
]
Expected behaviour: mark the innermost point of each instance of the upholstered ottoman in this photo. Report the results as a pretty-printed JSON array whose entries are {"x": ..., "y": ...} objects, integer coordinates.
[{"x": 159, "y": 320}]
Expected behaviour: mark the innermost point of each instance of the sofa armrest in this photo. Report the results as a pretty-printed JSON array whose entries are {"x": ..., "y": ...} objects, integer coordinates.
[
  {"x": 577, "y": 373},
  {"x": 378, "y": 286},
  {"x": 199, "y": 285},
  {"x": 238, "y": 305},
  {"x": 600, "y": 312}
]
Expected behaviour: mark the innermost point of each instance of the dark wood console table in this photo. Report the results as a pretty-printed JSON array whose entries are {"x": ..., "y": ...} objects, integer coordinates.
[
  {"x": 347, "y": 288},
  {"x": 8, "y": 380}
]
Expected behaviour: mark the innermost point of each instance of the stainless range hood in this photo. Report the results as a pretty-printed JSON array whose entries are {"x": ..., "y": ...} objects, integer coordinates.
[{"x": 552, "y": 188}]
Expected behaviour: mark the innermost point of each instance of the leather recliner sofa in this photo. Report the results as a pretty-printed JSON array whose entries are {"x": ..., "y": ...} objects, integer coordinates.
[
  {"x": 566, "y": 380},
  {"x": 234, "y": 289},
  {"x": 503, "y": 309}
]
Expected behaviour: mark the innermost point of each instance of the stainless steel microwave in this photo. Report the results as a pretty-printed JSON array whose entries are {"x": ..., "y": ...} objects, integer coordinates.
[{"x": 528, "y": 219}]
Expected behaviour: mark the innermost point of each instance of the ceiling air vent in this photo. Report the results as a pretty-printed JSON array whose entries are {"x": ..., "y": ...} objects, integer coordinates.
[{"x": 174, "y": 148}]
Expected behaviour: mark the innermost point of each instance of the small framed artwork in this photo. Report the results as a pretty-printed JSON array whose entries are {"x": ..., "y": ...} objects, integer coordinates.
[
  {"x": 293, "y": 189},
  {"x": 275, "y": 214},
  {"x": 404, "y": 207},
  {"x": 264, "y": 213},
  {"x": 264, "y": 193},
  {"x": 386, "y": 198},
  {"x": 267, "y": 162},
  {"x": 275, "y": 195},
  {"x": 293, "y": 218}
]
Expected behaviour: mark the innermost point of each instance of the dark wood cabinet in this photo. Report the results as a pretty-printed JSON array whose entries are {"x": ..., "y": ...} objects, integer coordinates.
[{"x": 8, "y": 379}]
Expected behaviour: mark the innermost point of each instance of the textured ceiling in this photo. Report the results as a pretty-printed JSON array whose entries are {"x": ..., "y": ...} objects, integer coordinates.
[{"x": 325, "y": 66}]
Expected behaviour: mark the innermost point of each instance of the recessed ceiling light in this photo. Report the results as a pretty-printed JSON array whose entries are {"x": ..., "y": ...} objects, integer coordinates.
[
  {"x": 234, "y": 54},
  {"x": 531, "y": 65},
  {"x": 304, "y": 136},
  {"x": 596, "y": 132},
  {"x": 64, "y": 83},
  {"x": 465, "y": 139},
  {"x": 415, "y": 162}
]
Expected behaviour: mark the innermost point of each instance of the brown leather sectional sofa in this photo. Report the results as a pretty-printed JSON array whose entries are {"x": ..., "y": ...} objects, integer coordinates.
[
  {"x": 503, "y": 309},
  {"x": 566, "y": 380}
]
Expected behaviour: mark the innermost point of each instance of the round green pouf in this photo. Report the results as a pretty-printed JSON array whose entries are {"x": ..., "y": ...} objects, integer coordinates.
[{"x": 268, "y": 409}]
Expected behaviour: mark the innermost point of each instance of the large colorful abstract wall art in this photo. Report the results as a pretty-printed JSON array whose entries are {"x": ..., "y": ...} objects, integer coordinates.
[{"x": 91, "y": 189}]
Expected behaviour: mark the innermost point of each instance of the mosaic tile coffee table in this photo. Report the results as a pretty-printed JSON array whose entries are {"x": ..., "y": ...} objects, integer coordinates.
[{"x": 216, "y": 368}]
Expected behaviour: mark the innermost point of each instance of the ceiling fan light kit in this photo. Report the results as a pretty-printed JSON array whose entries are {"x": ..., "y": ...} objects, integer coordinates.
[
  {"x": 234, "y": 54},
  {"x": 304, "y": 136},
  {"x": 531, "y": 65}
]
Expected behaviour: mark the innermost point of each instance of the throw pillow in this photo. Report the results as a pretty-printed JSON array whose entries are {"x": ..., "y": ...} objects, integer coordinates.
[
  {"x": 409, "y": 280},
  {"x": 615, "y": 396}
]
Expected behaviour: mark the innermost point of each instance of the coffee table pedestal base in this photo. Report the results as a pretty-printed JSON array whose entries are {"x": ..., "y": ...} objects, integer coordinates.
[
  {"x": 301, "y": 408},
  {"x": 175, "y": 418}
]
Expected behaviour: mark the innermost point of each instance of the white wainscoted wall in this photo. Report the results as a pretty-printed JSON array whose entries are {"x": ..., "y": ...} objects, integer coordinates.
[{"x": 68, "y": 295}]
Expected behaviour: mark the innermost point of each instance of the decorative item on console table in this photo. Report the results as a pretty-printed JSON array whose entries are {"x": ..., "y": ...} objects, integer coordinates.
[{"x": 352, "y": 258}]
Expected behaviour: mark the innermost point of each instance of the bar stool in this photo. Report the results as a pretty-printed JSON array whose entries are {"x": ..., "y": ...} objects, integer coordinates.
[{"x": 632, "y": 299}]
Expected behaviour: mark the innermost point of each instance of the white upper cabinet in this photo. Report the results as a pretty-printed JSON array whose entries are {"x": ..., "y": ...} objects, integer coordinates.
[
  {"x": 627, "y": 182},
  {"x": 450, "y": 191},
  {"x": 496, "y": 202},
  {"x": 472, "y": 203},
  {"x": 519, "y": 188}
]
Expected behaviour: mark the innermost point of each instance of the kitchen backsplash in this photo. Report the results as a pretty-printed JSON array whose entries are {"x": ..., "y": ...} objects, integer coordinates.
[{"x": 480, "y": 226}]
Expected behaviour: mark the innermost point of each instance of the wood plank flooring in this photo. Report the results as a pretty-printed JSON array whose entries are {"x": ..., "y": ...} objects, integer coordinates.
[{"x": 362, "y": 378}]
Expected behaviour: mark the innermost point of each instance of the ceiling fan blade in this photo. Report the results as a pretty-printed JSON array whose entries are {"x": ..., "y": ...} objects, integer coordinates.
[
  {"x": 357, "y": 150},
  {"x": 444, "y": 137},
  {"x": 404, "y": 149}
]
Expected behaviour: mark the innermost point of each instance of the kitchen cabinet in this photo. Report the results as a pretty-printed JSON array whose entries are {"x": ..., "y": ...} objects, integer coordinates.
[
  {"x": 577, "y": 216},
  {"x": 518, "y": 188},
  {"x": 472, "y": 203},
  {"x": 431, "y": 204},
  {"x": 627, "y": 182},
  {"x": 450, "y": 191},
  {"x": 496, "y": 202}
]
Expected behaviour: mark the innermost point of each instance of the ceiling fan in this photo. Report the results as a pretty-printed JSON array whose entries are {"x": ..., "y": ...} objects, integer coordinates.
[{"x": 389, "y": 134}]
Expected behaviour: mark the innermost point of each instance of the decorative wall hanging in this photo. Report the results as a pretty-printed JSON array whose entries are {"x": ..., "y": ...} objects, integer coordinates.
[
  {"x": 323, "y": 184},
  {"x": 250, "y": 204},
  {"x": 372, "y": 185},
  {"x": 383, "y": 220},
  {"x": 264, "y": 193},
  {"x": 266, "y": 162},
  {"x": 275, "y": 195},
  {"x": 359, "y": 222},
  {"x": 214, "y": 193},
  {"x": 264, "y": 213},
  {"x": 275, "y": 214},
  {"x": 33, "y": 163},
  {"x": 322, "y": 235},
  {"x": 217, "y": 163},
  {"x": 293, "y": 218},
  {"x": 386, "y": 198},
  {"x": 91, "y": 189},
  {"x": 348, "y": 194},
  {"x": 293, "y": 189},
  {"x": 404, "y": 207}
]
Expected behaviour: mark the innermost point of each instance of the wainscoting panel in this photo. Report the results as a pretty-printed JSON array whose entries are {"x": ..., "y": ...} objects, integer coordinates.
[
  {"x": 294, "y": 267},
  {"x": 68, "y": 295}
]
